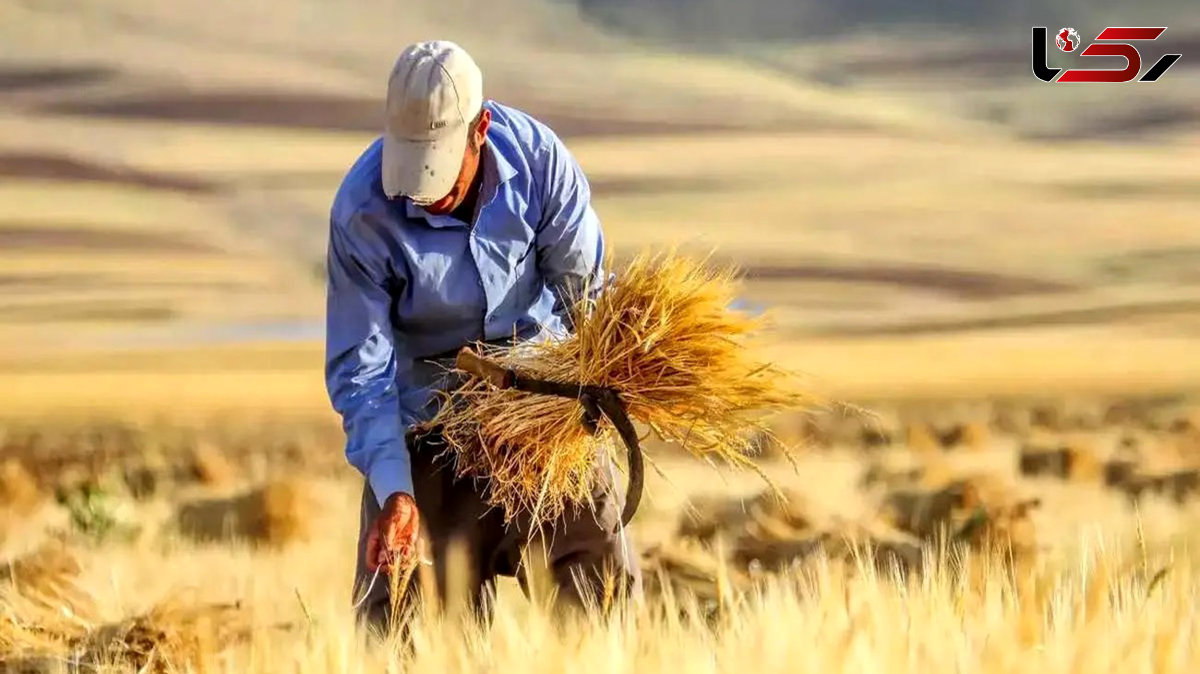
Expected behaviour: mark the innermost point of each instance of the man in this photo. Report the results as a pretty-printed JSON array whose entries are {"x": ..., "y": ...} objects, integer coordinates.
[{"x": 466, "y": 221}]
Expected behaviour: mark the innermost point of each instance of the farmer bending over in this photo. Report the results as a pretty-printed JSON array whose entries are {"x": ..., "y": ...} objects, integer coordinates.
[{"x": 466, "y": 221}]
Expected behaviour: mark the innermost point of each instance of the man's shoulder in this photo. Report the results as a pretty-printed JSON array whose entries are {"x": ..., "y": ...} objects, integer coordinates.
[
  {"x": 360, "y": 187},
  {"x": 520, "y": 127}
]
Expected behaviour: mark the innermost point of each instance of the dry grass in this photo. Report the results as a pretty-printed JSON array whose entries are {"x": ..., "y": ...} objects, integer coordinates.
[
  {"x": 666, "y": 338},
  {"x": 1107, "y": 607},
  {"x": 45, "y": 575}
]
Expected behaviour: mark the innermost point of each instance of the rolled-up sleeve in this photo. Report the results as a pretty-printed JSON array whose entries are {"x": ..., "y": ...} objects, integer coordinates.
[
  {"x": 361, "y": 356},
  {"x": 570, "y": 241}
]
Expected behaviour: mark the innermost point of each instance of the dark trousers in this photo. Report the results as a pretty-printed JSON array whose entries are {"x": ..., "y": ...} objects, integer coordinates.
[{"x": 584, "y": 554}]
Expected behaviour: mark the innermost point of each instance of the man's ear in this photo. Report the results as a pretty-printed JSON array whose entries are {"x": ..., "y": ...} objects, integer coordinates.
[{"x": 480, "y": 132}]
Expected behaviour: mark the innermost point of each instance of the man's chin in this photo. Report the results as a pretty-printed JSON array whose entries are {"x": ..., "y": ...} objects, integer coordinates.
[{"x": 440, "y": 207}]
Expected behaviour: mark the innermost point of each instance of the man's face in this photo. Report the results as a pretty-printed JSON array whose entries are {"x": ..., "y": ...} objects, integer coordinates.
[{"x": 466, "y": 172}]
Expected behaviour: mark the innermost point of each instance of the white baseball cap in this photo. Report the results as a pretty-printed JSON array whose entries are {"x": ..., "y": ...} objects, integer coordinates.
[{"x": 434, "y": 93}]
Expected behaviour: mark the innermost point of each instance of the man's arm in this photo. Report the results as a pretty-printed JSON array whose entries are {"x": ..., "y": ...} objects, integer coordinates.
[
  {"x": 570, "y": 241},
  {"x": 361, "y": 358}
]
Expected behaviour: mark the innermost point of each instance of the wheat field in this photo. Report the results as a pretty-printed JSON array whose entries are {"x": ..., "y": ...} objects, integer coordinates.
[
  {"x": 1095, "y": 611},
  {"x": 1112, "y": 604},
  {"x": 190, "y": 551}
]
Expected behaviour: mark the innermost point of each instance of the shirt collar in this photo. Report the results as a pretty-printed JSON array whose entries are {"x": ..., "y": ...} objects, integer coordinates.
[
  {"x": 495, "y": 173},
  {"x": 415, "y": 211}
]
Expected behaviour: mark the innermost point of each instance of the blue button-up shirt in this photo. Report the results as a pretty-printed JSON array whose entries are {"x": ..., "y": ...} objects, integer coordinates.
[{"x": 405, "y": 285}]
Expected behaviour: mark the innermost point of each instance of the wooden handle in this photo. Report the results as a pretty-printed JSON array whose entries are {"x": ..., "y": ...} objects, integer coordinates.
[{"x": 471, "y": 362}]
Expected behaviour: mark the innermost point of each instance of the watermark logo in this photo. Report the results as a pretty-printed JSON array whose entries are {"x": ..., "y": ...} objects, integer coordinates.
[
  {"x": 1112, "y": 41},
  {"x": 1067, "y": 39}
]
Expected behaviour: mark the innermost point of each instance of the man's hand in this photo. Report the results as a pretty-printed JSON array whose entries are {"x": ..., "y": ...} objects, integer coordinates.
[{"x": 393, "y": 536}]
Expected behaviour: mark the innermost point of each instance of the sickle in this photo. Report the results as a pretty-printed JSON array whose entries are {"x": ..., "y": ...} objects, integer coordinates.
[{"x": 596, "y": 400}]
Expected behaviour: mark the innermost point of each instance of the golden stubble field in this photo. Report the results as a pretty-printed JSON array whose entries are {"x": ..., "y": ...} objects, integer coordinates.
[
  {"x": 985, "y": 535},
  {"x": 1016, "y": 315}
]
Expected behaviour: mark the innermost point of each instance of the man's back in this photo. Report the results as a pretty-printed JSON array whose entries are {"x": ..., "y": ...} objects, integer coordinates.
[
  {"x": 405, "y": 285},
  {"x": 452, "y": 282}
]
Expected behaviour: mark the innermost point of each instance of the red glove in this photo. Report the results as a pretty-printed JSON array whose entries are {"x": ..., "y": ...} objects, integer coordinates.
[{"x": 393, "y": 536}]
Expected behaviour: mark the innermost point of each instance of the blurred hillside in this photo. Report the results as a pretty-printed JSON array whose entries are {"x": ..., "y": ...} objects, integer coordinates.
[
  {"x": 967, "y": 59},
  {"x": 704, "y": 22},
  {"x": 175, "y": 163},
  {"x": 166, "y": 170},
  {"x": 319, "y": 64}
]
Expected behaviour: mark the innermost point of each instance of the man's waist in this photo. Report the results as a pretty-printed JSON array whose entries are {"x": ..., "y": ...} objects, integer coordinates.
[
  {"x": 436, "y": 370},
  {"x": 447, "y": 357}
]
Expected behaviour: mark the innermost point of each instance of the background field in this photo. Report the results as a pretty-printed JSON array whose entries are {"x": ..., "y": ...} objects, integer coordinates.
[{"x": 939, "y": 237}]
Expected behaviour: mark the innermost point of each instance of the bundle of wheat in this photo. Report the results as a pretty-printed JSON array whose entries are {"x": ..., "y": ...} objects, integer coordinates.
[
  {"x": 277, "y": 513},
  {"x": 666, "y": 336},
  {"x": 172, "y": 636}
]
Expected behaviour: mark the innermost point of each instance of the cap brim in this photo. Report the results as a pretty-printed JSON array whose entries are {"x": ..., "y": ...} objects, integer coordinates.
[{"x": 424, "y": 170}]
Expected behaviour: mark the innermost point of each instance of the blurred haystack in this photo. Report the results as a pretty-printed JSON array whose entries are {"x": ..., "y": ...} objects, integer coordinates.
[
  {"x": 771, "y": 530},
  {"x": 19, "y": 491},
  {"x": 898, "y": 471},
  {"x": 975, "y": 435},
  {"x": 1119, "y": 472},
  {"x": 879, "y": 474},
  {"x": 1047, "y": 416},
  {"x": 1084, "y": 463},
  {"x": 795, "y": 432},
  {"x": 277, "y": 513},
  {"x": 20, "y": 495},
  {"x": 921, "y": 438},
  {"x": 172, "y": 636},
  {"x": 771, "y": 513},
  {"x": 1076, "y": 460},
  {"x": 857, "y": 427},
  {"x": 925, "y": 513},
  {"x": 774, "y": 531},
  {"x": 47, "y": 616},
  {"x": 704, "y": 517},
  {"x": 1177, "y": 485},
  {"x": 921, "y": 514},
  {"x": 926, "y": 437},
  {"x": 780, "y": 514},
  {"x": 1010, "y": 417},
  {"x": 875, "y": 545},
  {"x": 210, "y": 466},
  {"x": 665, "y": 336},
  {"x": 684, "y": 567},
  {"x": 46, "y": 576},
  {"x": 979, "y": 511},
  {"x": 66, "y": 454}
]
